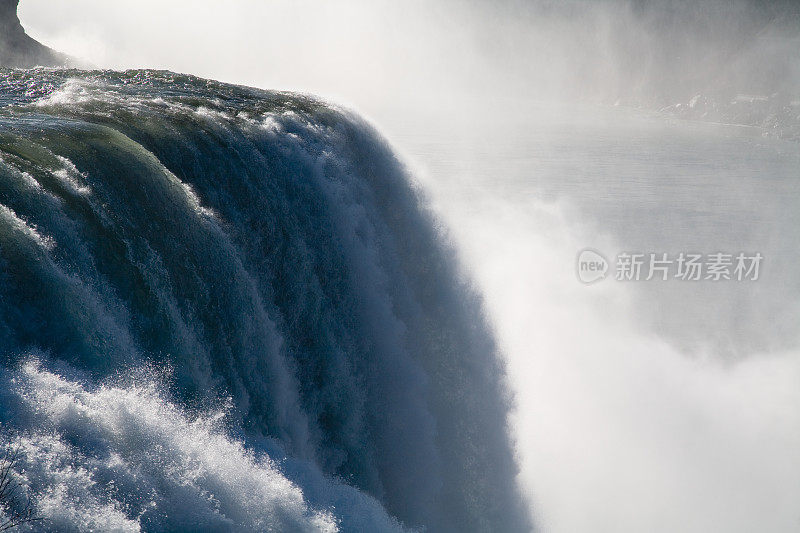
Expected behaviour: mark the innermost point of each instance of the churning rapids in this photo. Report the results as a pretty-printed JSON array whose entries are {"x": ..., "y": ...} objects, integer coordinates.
[{"x": 227, "y": 309}]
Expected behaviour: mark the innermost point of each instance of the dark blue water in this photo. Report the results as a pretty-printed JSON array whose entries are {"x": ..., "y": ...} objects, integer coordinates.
[{"x": 227, "y": 309}]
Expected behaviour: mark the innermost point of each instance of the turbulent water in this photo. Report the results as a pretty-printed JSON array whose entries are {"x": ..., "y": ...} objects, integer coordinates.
[{"x": 228, "y": 309}]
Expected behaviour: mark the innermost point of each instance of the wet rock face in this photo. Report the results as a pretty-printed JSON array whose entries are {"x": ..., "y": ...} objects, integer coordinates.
[
  {"x": 17, "y": 49},
  {"x": 8, "y": 7},
  {"x": 8, "y": 17}
]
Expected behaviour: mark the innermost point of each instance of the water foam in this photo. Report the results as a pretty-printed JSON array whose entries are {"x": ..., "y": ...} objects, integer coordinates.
[{"x": 264, "y": 249}]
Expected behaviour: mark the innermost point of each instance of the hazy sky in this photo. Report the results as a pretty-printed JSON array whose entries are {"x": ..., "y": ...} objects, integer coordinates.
[
  {"x": 371, "y": 51},
  {"x": 349, "y": 49}
]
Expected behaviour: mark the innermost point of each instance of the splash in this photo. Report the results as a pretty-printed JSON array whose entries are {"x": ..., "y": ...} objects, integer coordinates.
[{"x": 259, "y": 249}]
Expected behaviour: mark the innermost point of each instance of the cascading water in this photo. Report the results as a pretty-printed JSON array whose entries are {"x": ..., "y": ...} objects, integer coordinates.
[{"x": 228, "y": 309}]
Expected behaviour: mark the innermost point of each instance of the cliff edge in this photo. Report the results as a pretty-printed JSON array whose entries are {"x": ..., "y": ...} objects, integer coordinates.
[{"x": 17, "y": 49}]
